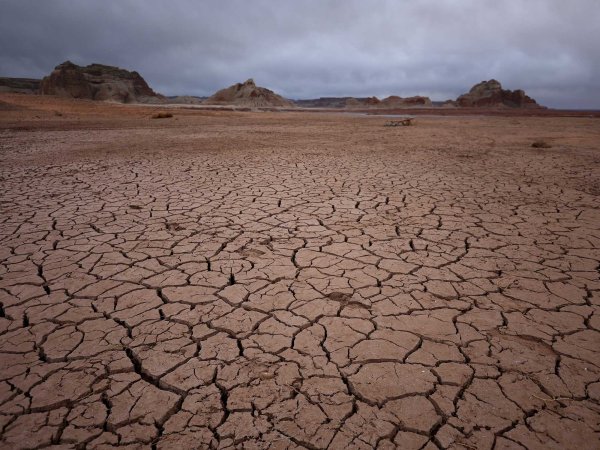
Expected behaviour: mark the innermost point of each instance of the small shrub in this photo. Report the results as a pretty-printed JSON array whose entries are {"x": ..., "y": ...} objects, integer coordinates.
[
  {"x": 540, "y": 143},
  {"x": 162, "y": 115}
]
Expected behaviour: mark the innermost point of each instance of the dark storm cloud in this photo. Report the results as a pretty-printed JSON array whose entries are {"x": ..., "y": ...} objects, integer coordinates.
[{"x": 311, "y": 48}]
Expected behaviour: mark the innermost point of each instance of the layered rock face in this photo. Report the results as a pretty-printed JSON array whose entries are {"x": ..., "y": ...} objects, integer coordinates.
[
  {"x": 393, "y": 101},
  {"x": 98, "y": 82},
  {"x": 20, "y": 85},
  {"x": 185, "y": 99},
  {"x": 323, "y": 102},
  {"x": 338, "y": 102},
  {"x": 490, "y": 94},
  {"x": 247, "y": 94},
  {"x": 367, "y": 102}
]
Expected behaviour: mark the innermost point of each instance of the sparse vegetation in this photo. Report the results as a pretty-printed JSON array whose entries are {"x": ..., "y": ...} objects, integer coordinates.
[
  {"x": 162, "y": 115},
  {"x": 540, "y": 143}
]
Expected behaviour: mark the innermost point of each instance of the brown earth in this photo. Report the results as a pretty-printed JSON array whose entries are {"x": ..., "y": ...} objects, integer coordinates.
[{"x": 296, "y": 280}]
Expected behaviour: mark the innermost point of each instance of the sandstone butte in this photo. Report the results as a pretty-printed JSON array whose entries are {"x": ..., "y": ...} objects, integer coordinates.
[
  {"x": 491, "y": 95},
  {"x": 98, "y": 82},
  {"x": 247, "y": 94},
  {"x": 109, "y": 83},
  {"x": 486, "y": 94}
]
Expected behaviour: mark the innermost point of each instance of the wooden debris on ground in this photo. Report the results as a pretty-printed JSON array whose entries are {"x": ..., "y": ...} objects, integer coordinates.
[{"x": 402, "y": 122}]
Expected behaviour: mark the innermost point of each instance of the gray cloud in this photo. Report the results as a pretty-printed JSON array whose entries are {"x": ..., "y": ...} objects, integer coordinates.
[{"x": 312, "y": 48}]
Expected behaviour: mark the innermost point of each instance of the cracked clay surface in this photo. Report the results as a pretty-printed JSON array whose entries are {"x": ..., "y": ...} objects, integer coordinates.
[{"x": 264, "y": 280}]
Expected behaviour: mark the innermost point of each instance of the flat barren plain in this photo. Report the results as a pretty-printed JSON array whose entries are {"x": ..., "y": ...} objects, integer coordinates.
[{"x": 296, "y": 280}]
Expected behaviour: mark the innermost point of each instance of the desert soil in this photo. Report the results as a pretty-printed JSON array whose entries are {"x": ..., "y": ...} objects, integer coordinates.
[{"x": 296, "y": 280}]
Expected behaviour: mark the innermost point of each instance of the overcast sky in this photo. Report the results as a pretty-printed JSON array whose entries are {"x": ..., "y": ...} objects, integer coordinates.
[{"x": 313, "y": 48}]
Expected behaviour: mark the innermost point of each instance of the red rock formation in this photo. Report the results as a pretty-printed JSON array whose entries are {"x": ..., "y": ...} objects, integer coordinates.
[
  {"x": 98, "y": 82},
  {"x": 364, "y": 102},
  {"x": 247, "y": 94},
  {"x": 393, "y": 101},
  {"x": 490, "y": 94},
  {"x": 372, "y": 101}
]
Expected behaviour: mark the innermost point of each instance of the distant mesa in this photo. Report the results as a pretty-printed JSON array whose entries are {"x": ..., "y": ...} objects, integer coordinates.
[
  {"x": 333, "y": 102},
  {"x": 248, "y": 94},
  {"x": 108, "y": 83},
  {"x": 489, "y": 94},
  {"x": 185, "y": 99},
  {"x": 20, "y": 85},
  {"x": 447, "y": 104},
  {"x": 98, "y": 82},
  {"x": 323, "y": 102},
  {"x": 392, "y": 101},
  {"x": 366, "y": 102}
]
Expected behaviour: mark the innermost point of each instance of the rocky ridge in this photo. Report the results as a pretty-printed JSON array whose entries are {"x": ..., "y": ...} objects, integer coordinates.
[
  {"x": 109, "y": 83},
  {"x": 20, "y": 85},
  {"x": 98, "y": 82},
  {"x": 393, "y": 101},
  {"x": 247, "y": 94},
  {"x": 490, "y": 94},
  {"x": 487, "y": 94},
  {"x": 185, "y": 99}
]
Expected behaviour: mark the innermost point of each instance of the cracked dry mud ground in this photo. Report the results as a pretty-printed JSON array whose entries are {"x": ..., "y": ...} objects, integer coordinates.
[{"x": 269, "y": 280}]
